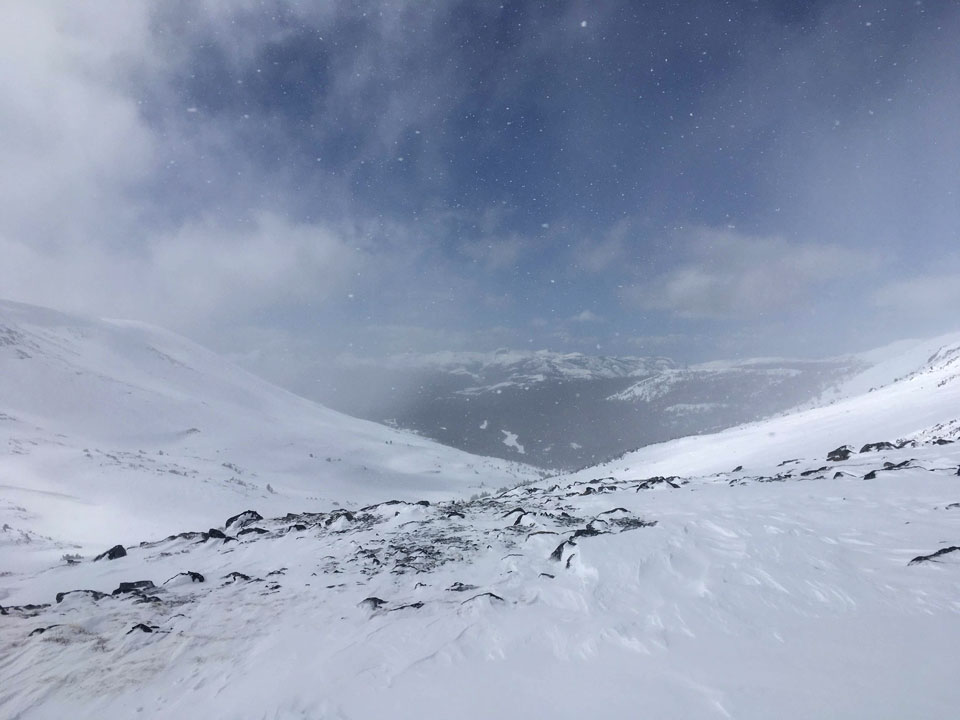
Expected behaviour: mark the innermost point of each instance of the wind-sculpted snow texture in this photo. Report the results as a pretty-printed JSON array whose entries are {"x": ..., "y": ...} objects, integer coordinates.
[
  {"x": 800, "y": 593},
  {"x": 248, "y": 566}
]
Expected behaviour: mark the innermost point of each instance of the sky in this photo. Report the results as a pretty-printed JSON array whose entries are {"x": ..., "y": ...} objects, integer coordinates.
[{"x": 282, "y": 180}]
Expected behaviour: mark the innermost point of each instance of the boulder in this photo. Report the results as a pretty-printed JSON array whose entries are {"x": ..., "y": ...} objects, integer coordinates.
[
  {"x": 94, "y": 594},
  {"x": 135, "y": 586},
  {"x": 840, "y": 454},
  {"x": 243, "y": 519},
  {"x": 933, "y": 556},
  {"x": 872, "y": 447},
  {"x": 117, "y": 551}
]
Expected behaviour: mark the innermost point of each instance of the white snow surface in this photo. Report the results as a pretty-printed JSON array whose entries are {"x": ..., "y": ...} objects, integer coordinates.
[
  {"x": 510, "y": 439},
  {"x": 665, "y": 584},
  {"x": 115, "y": 430}
]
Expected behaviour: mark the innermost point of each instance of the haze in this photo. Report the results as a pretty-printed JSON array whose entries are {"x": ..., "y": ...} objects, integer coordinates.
[{"x": 291, "y": 184}]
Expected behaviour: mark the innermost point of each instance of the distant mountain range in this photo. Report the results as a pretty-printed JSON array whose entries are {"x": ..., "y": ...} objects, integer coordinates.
[{"x": 564, "y": 411}]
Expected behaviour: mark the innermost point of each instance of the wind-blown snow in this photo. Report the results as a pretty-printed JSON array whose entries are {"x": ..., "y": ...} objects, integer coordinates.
[
  {"x": 805, "y": 566},
  {"x": 114, "y": 430}
]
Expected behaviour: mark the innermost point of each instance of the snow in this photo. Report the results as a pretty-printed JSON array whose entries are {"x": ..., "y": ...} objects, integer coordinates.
[
  {"x": 887, "y": 364},
  {"x": 115, "y": 430},
  {"x": 510, "y": 440},
  {"x": 503, "y": 369},
  {"x": 899, "y": 410},
  {"x": 664, "y": 584}
]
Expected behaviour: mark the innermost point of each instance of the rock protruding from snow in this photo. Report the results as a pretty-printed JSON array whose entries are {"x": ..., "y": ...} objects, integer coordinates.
[
  {"x": 840, "y": 454},
  {"x": 243, "y": 519},
  {"x": 933, "y": 557},
  {"x": 117, "y": 551}
]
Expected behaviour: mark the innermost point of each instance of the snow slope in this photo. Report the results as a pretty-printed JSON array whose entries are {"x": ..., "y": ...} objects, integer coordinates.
[
  {"x": 115, "y": 430},
  {"x": 920, "y": 400},
  {"x": 668, "y": 584},
  {"x": 762, "y": 597}
]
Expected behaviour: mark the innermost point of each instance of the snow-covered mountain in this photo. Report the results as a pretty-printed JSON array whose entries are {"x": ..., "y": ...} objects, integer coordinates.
[
  {"x": 802, "y": 566},
  {"x": 113, "y": 430},
  {"x": 569, "y": 410}
]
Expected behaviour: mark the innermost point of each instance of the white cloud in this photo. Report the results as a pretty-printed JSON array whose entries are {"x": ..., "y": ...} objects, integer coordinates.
[
  {"x": 600, "y": 255},
  {"x": 934, "y": 295},
  {"x": 72, "y": 139},
  {"x": 198, "y": 274},
  {"x": 725, "y": 274},
  {"x": 586, "y": 316}
]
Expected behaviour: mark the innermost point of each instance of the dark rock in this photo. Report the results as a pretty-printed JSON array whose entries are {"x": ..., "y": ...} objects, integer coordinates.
[
  {"x": 257, "y": 530},
  {"x": 658, "y": 480},
  {"x": 896, "y": 466},
  {"x": 872, "y": 475},
  {"x": 548, "y": 575},
  {"x": 368, "y": 508},
  {"x": 372, "y": 603},
  {"x": 409, "y": 606},
  {"x": 299, "y": 527},
  {"x": 932, "y": 556},
  {"x": 951, "y": 506},
  {"x": 42, "y": 630},
  {"x": 570, "y": 560},
  {"x": 94, "y": 594},
  {"x": 871, "y": 447},
  {"x": 738, "y": 468},
  {"x": 456, "y": 513},
  {"x": 424, "y": 503},
  {"x": 243, "y": 519},
  {"x": 461, "y": 587},
  {"x": 515, "y": 510},
  {"x": 25, "y": 611},
  {"x": 117, "y": 551},
  {"x": 137, "y": 585},
  {"x": 837, "y": 475},
  {"x": 216, "y": 534},
  {"x": 942, "y": 441},
  {"x": 808, "y": 473},
  {"x": 194, "y": 577},
  {"x": 542, "y": 532},
  {"x": 490, "y": 595},
  {"x": 142, "y": 627},
  {"x": 840, "y": 454},
  {"x": 631, "y": 523},
  {"x": 236, "y": 576},
  {"x": 346, "y": 514},
  {"x": 557, "y": 555},
  {"x": 616, "y": 509},
  {"x": 179, "y": 536},
  {"x": 588, "y": 531}
]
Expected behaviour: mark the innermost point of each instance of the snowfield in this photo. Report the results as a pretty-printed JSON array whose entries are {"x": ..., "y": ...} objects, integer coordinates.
[
  {"x": 114, "y": 431},
  {"x": 800, "y": 567}
]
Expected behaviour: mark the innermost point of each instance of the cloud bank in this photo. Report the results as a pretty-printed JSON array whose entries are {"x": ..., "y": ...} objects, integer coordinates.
[{"x": 383, "y": 177}]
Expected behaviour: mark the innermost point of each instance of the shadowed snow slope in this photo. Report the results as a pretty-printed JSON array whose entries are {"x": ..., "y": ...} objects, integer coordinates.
[
  {"x": 113, "y": 430},
  {"x": 820, "y": 579},
  {"x": 923, "y": 398}
]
